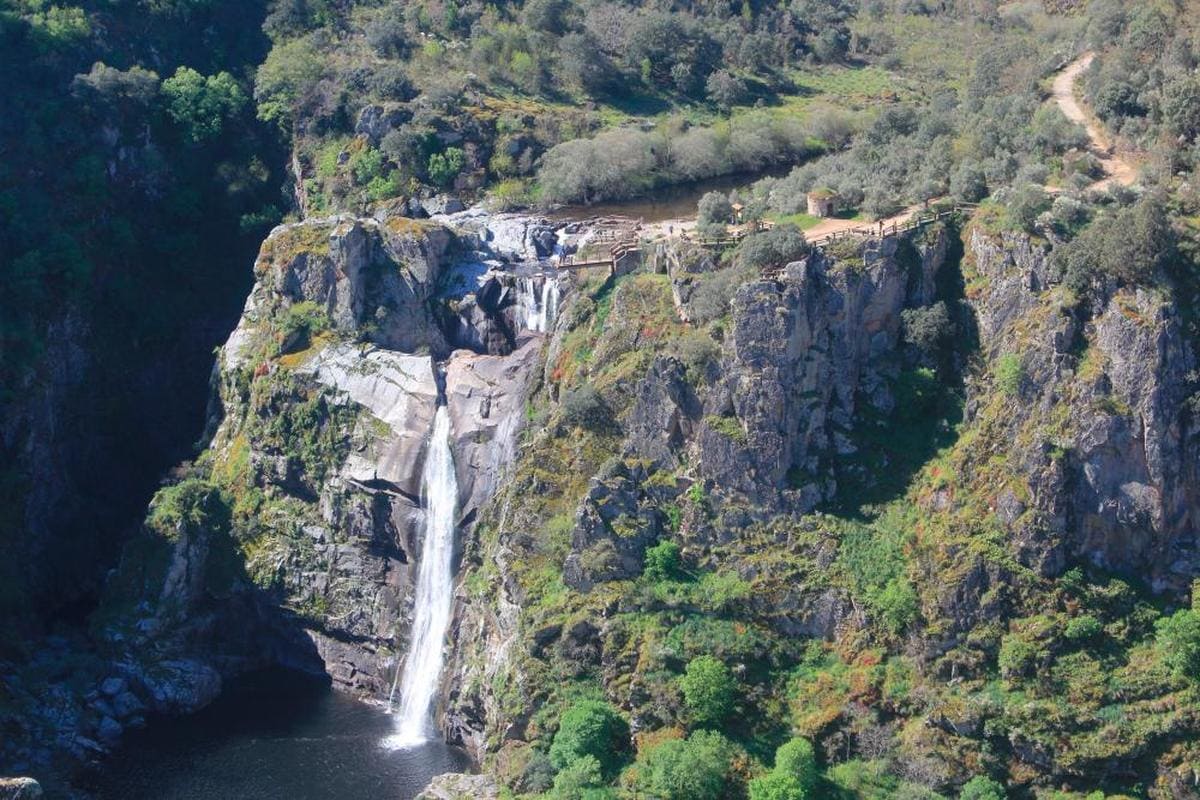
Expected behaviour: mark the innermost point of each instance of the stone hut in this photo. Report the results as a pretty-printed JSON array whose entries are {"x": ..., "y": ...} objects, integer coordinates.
[{"x": 822, "y": 203}]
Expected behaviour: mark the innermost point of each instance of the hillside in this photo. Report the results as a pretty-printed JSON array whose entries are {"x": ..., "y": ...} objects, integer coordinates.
[{"x": 738, "y": 501}]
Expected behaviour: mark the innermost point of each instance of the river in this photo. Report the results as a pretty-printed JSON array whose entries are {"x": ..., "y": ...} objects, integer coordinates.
[
  {"x": 273, "y": 736},
  {"x": 667, "y": 203}
]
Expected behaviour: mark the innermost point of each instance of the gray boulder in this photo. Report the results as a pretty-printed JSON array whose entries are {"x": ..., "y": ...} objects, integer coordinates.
[
  {"x": 454, "y": 786},
  {"x": 20, "y": 789}
]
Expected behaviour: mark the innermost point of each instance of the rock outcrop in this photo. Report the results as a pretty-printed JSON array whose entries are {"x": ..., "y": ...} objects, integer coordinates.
[
  {"x": 805, "y": 350},
  {"x": 1102, "y": 420},
  {"x": 747, "y": 435},
  {"x": 455, "y": 786},
  {"x": 340, "y": 539},
  {"x": 19, "y": 789},
  {"x": 294, "y": 538}
]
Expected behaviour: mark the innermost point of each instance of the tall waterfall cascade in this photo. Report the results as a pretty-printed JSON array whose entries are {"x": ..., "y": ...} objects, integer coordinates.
[
  {"x": 540, "y": 303},
  {"x": 434, "y": 592}
]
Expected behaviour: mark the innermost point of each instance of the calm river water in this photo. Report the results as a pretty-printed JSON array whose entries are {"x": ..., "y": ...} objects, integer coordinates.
[{"x": 273, "y": 736}]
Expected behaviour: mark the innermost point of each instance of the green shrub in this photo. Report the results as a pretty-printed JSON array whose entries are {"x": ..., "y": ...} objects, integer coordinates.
[
  {"x": 1009, "y": 374},
  {"x": 582, "y": 779},
  {"x": 780, "y": 245},
  {"x": 729, "y": 427},
  {"x": 1179, "y": 641},
  {"x": 982, "y": 788},
  {"x": 875, "y": 557},
  {"x": 585, "y": 408},
  {"x": 191, "y": 503},
  {"x": 1025, "y": 204},
  {"x": 674, "y": 516},
  {"x": 777, "y": 786},
  {"x": 710, "y": 299},
  {"x": 366, "y": 165},
  {"x": 662, "y": 561},
  {"x": 897, "y": 604},
  {"x": 794, "y": 777},
  {"x": 1083, "y": 628},
  {"x": 299, "y": 324},
  {"x": 1017, "y": 655},
  {"x": 696, "y": 768},
  {"x": 708, "y": 690},
  {"x": 797, "y": 759},
  {"x": 591, "y": 728},
  {"x": 444, "y": 167}
]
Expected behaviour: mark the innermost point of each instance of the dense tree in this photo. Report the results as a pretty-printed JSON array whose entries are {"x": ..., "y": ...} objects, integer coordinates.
[
  {"x": 585, "y": 66},
  {"x": 708, "y": 690},
  {"x": 1181, "y": 107},
  {"x": 201, "y": 105},
  {"x": 127, "y": 93},
  {"x": 928, "y": 328},
  {"x": 775, "y": 247},
  {"x": 714, "y": 213},
  {"x": 609, "y": 165},
  {"x": 546, "y": 15},
  {"x": 982, "y": 788},
  {"x": 387, "y": 34},
  {"x": 1135, "y": 245},
  {"x": 777, "y": 786},
  {"x": 1054, "y": 133},
  {"x": 591, "y": 728},
  {"x": 696, "y": 768},
  {"x": 1179, "y": 641},
  {"x": 724, "y": 89},
  {"x": 286, "y": 80},
  {"x": 582, "y": 779},
  {"x": 1026, "y": 203},
  {"x": 796, "y": 759},
  {"x": 671, "y": 50}
]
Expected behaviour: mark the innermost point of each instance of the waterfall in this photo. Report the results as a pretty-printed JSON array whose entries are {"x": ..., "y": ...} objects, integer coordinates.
[
  {"x": 539, "y": 302},
  {"x": 549, "y": 303},
  {"x": 435, "y": 578}
]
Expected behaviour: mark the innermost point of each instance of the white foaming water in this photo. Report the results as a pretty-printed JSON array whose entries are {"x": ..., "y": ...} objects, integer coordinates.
[
  {"x": 540, "y": 303},
  {"x": 431, "y": 612}
]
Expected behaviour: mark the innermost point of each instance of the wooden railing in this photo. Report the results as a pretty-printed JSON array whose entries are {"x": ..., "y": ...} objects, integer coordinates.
[
  {"x": 626, "y": 246},
  {"x": 917, "y": 221}
]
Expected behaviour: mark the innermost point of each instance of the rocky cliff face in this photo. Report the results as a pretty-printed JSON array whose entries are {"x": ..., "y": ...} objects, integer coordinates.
[
  {"x": 662, "y": 475},
  {"x": 295, "y": 537},
  {"x": 1101, "y": 418},
  {"x": 804, "y": 351},
  {"x": 339, "y": 519},
  {"x": 697, "y": 449},
  {"x": 728, "y": 436}
]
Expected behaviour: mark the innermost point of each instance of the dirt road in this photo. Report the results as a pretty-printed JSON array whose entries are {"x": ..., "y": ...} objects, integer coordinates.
[{"x": 1117, "y": 169}]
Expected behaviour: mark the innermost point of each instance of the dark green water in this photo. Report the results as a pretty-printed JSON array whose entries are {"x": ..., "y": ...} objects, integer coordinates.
[{"x": 273, "y": 736}]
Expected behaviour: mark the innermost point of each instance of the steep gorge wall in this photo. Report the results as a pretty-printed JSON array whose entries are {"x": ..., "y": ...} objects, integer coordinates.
[
  {"x": 1101, "y": 420},
  {"x": 756, "y": 430},
  {"x": 1077, "y": 448},
  {"x": 294, "y": 538}
]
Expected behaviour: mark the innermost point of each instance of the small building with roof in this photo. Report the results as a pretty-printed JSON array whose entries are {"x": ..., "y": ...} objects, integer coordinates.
[{"x": 822, "y": 202}]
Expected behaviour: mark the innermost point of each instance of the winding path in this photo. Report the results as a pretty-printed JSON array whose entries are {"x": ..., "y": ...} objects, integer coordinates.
[{"x": 1116, "y": 168}]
